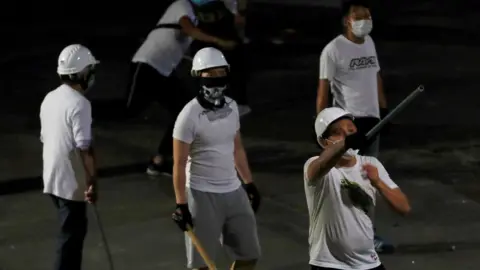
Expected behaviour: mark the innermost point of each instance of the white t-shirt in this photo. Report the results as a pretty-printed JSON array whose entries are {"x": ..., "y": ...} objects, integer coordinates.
[
  {"x": 211, "y": 135},
  {"x": 164, "y": 47},
  {"x": 352, "y": 71},
  {"x": 341, "y": 234},
  {"x": 66, "y": 118}
]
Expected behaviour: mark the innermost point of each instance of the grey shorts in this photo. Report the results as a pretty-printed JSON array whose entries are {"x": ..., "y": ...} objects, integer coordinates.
[{"x": 225, "y": 218}]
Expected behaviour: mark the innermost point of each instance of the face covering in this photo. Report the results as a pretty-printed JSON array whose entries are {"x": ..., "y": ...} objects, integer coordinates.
[
  {"x": 88, "y": 82},
  {"x": 212, "y": 90},
  {"x": 361, "y": 28},
  {"x": 201, "y": 2}
]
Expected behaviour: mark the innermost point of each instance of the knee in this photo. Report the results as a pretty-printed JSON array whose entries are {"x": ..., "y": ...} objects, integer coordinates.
[{"x": 244, "y": 264}]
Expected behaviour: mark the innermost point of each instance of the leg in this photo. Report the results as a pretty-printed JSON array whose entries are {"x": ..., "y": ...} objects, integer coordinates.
[
  {"x": 137, "y": 98},
  {"x": 73, "y": 228},
  {"x": 240, "y": 231},
  {"x": 207, "y": 226},
  {"x": 173, "y": 99}
]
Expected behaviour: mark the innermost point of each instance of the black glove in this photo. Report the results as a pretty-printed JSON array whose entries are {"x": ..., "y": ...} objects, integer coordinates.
[
  {"x": 253, "y": 195},
  {"x": 356, "y": 141},
  {"x": 182, "y": 216},
  {"x": 386, "y": 128}
]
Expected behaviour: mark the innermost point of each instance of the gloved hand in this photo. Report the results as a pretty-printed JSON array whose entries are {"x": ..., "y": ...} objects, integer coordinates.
[
  {"x": 356, "y": 141},
  {"x": 253, "y": 195},
  {"x": 182, "y": 216},
  {"x": 386, "y": 129}
]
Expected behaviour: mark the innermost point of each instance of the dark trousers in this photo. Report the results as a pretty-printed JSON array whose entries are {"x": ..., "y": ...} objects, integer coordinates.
[
  {"x": 380, "y": 267},
  {"x": 73, "y": 229},
  {"x": 147, "y": 85}
]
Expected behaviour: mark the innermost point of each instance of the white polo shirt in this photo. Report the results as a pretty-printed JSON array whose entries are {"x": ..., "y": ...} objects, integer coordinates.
[
  {"x": 352, "y": 71},
  {"x": 211, "y": 135},
  {"x": 66, "y": 118},
  {"x": 164, "y": 47},
  {"x": 341, "y": 234}
]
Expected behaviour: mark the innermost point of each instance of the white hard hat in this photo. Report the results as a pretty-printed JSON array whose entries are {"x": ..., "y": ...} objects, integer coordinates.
[
  {"x": 75, "y": 58},
  {"x": 208, "y": 58},
  {"x": 328, "y": 116}
]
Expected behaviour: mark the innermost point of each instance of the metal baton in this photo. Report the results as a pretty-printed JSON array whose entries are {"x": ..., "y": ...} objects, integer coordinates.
[{"x": 395, "y": 111}]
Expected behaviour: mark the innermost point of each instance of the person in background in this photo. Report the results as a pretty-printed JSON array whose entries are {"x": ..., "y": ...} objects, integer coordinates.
[
  {"x": 153, "y": 77},
  {"x": 69, "y": 170},
  {"x": 350, "y": 71}
]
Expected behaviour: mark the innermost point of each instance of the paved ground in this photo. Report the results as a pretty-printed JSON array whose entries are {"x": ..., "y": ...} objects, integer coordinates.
[{"x": 432, "y": 152}]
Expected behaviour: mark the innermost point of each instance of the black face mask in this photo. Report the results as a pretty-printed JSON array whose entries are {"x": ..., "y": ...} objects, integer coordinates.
[{"x": 212, "y": 91}]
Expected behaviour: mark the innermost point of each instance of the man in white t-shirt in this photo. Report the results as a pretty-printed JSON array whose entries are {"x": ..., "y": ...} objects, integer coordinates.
[
  {"x": 341, "y": 188},
  {"x": 208, "y": 153},
  {"x": 350, "y": 70},
  {"x": 153, "y": 77},
  {"x": 68, "y": 159}
]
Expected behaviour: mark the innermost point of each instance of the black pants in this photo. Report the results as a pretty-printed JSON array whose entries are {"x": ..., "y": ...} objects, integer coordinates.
[
  {"x": 380, "y": 267},
  {"x": 147, "y": 85},
  {"x": 73, "y": 229}
]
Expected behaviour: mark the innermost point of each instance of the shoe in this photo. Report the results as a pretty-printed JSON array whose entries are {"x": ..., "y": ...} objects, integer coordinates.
[
  {"x": 166, "y": 169},
  {"x": 382, "y": 247},
  {"x": 244, "y": 110}
]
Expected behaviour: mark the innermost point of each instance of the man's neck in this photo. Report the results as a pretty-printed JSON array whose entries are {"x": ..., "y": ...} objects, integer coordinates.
[{"x": 350, "y": 36}]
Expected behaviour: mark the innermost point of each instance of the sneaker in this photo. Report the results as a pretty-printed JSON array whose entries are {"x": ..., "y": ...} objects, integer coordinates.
[
  {"x": 165, "y": 169},
  {"x": 382, "y": 247},
  {"x": 244, "y": 110}
]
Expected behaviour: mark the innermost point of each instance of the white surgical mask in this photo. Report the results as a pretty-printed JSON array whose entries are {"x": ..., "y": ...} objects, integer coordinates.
[{"x": 361, "y": 28}]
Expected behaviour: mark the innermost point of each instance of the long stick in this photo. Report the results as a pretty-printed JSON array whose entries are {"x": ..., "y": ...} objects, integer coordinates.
[
  {"x": 210, "y": 263},
  {"x": 395, "y": 111},
  {"x": 104, "y": 238}
]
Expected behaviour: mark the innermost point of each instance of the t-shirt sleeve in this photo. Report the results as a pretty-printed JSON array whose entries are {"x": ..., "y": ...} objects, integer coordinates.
[
  {"x": 305, "y": 176},
  {"x": 327, "y": 65},
  {"x": 184, "y": 129},
  {"x": 82, "y": 123},
  {"x": 384, "y": 176},
  {"x": 181, "y": 9},
  {"x": 375, "y": 52},
  {"x": 231, "y": 5},
  {"x": 234, "y": 107}
]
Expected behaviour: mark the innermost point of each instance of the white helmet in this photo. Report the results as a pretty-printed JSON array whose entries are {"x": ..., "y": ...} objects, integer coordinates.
[
  {"x": 328, "y": 116},
  {"x": 208, "y": 58},
  {"x": 75, "y": 58}
]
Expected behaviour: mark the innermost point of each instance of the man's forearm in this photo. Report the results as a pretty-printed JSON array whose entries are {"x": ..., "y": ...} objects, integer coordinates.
[
  {"x": 327, "y": 160},
  {"x": 198, "y": 34},
  {"x": 89, "y": 164},
  {"x": 394, "y": 197},
  {"x": 179, "y": 180},
  {"x": 241, "y": 163}
]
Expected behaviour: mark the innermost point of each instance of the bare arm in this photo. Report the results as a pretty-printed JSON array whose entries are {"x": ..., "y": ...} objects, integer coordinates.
[
  {"x": 241, "y": 161},
  {"x": 395, "y": 197},
  {"x": 382, "y": 99},
  {"x": 181, "y": 150},
  {"x": 322, "y": 94},
  {"x": 89, "y": 163},
  {"x": 327, "y": 160},
  {"x": 189, "y": 29}
]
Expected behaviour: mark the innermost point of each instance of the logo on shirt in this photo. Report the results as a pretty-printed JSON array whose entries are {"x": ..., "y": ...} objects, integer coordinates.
[
  {"x": 374, "y": 256},
  {"x": 363, "y": 62},
  {"x": 357, "y": 195}
]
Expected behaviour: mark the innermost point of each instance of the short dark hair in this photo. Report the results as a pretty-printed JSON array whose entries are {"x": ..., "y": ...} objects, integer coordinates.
[{"x": 348, "y": 4}]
